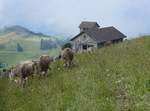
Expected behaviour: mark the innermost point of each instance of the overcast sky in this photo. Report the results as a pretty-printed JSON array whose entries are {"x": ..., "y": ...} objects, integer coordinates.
[{"x": 132, "y": 17}]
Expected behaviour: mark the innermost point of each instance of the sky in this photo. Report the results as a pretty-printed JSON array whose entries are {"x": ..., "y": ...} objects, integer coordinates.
[{"x": 56, "y": 17}]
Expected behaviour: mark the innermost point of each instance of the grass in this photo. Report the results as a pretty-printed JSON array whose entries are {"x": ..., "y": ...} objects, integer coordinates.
[
  {"x": 113, "y": 78},
  {"x": 12, "y": 57}
]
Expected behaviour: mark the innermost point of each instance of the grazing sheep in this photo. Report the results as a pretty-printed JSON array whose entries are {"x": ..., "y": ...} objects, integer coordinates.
[
  {"x": 22, "y": 71},
  {"x": 15, "y": 71},
  {"x": 27, "y": 69},
  {"x": 67, "y": 57},
  {"x": 42, "y": 65}
]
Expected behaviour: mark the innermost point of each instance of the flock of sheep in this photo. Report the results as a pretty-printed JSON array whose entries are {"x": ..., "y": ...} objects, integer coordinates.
[{"x": 24, "y": 70}]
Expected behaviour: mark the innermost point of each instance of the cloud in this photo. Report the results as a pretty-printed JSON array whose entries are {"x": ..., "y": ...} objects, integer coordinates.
[{"x": 64, "y": 16}]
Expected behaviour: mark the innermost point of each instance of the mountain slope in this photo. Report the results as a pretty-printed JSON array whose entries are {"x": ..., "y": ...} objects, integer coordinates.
[
  {"x": 114, "y": 78},
  {"x": 22, "y": 31},
  {"x": 29, "y": 41}
]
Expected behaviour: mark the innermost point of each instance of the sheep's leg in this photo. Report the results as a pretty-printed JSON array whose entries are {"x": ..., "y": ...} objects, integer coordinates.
[
  {"x": 72, "y": 63},
  {"x": 11, "y": 76},
  {"x": 65, "y": 63},
  {"x": 24, "y": 80},
  {"x": 21, "y": 82},
  {"x": 68, "y": 64},
  {"x": 44, "y": 73},
  {"x": 32, "y": 75},
  {"x": 40, "y": 75}
]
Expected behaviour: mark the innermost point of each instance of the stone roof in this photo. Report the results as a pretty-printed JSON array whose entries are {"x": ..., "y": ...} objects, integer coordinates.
[{"x": 102, "y": 34}]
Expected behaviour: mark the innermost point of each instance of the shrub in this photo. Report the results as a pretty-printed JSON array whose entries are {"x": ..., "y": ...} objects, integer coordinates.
[{"x": 67, "y": 45}]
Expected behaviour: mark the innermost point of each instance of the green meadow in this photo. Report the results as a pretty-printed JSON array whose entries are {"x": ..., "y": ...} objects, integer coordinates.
[{"x": 114, "y": 78}]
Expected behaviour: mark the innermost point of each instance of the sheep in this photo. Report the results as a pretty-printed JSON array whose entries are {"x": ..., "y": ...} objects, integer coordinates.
[
  {"x": 67, "y": 57},
  {"x": 42, "y": 65},
  {"x": 22, "y": 71}
]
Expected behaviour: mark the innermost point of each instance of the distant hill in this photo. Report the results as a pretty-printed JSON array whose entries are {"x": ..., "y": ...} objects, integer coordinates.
[
  {"x": 30, "y": 41},
  {"x": 22, "y": 31},
  {"x": 16, "y": 31}
]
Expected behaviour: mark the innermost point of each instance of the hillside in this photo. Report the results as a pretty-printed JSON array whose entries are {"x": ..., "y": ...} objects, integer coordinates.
[
  {"x": 22, "y": 31},
  {"x": 115, "y": 78},
  {"x": 29, "y": 41}
]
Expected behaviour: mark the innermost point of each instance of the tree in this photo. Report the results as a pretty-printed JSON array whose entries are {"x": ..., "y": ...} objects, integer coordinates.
[
  {"x": 19, "y": 48},
  {"x": 42, "y": 47},
  {"x": 1, "y": 65},
  {"x": 47, "y": 44},
  {"x": 67, "y": 45}
]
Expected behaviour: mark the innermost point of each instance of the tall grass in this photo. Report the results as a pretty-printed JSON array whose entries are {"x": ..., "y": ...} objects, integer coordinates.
[{"x": 110, "y": 79}]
